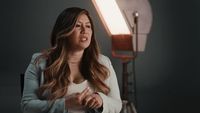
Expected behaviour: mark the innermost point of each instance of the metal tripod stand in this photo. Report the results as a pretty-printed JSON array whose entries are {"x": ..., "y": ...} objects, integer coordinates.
[{"x": 128, "y": 107}]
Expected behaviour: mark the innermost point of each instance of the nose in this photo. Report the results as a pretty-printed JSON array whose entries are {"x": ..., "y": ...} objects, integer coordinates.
[{"x": 83, "y": 29}]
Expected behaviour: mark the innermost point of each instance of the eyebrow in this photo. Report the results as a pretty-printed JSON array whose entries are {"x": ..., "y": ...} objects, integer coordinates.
[{"x": 82, "y": 22}]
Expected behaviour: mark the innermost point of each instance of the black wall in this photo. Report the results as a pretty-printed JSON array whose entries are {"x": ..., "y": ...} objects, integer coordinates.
[{"x": 167, "y": 73}]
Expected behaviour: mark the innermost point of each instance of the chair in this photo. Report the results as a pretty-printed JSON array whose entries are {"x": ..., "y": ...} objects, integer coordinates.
[{"x": 22, "y": 82}]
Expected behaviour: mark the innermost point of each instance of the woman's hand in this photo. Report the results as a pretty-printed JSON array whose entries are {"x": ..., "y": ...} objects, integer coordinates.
[
  {"x": 75, "y": 101},
  {"x": 93, "y": 101}
]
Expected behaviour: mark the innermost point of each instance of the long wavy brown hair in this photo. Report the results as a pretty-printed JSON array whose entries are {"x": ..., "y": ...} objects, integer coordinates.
[{"x": 57, "y": 72}]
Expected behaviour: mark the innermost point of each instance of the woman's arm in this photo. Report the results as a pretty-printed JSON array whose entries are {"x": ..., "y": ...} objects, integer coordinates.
[
  {"x": 30, "y": 103},
  {"x": 111, "y": 102}
]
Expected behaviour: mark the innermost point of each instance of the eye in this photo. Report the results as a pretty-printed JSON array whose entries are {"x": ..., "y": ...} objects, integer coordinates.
[
  {"x": 78, "y": 25},
  {"x": 88, "y": 26}
]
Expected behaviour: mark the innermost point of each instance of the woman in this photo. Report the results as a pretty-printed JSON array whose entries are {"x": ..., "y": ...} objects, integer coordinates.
[{"x": 72, "y": 76}]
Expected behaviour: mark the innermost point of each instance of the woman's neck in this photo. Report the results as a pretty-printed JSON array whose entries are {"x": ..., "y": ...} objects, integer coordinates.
[
  {"x": 75, "y": 57},
  {"x": 73, "y": 60}
]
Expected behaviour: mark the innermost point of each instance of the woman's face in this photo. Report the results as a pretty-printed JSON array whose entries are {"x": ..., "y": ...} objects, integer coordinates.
[{"x": 81, "y": 36}]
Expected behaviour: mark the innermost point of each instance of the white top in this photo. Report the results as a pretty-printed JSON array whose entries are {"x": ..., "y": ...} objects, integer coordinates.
[{"x": 77, "y": 88}]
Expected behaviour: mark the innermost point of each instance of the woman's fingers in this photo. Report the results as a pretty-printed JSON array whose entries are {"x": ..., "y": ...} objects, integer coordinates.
[
  {"x": 86, "y": 100},
  {"x": 84, "y": 93},
  {"x": 99, "y": 101},
  {"x": 91, "y": 103}
]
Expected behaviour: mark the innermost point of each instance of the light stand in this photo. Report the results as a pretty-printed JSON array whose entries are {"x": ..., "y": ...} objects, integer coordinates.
[
  {"x": 121, "y": 46},
  {"x": 129, "y": 107},
  {"x": 126, "y": 38}
]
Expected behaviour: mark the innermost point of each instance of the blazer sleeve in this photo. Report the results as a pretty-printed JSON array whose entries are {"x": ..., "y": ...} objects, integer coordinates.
[
  {"x": 112, "y": 102},
  {"x": 30, "y": 103}
]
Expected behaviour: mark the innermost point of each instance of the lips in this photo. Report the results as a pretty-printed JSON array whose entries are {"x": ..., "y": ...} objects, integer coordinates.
[{"x": 84, "y": 38}]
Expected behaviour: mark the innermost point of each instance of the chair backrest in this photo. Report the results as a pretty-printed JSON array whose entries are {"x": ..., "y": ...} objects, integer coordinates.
[{"x": 22, "y": 82}]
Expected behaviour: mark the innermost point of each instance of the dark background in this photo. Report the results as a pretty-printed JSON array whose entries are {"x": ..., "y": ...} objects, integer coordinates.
[{"x": 167, "y": 73}]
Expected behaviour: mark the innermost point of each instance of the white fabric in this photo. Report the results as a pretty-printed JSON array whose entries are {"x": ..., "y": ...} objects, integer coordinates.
[
  {"x": 77, "y": 88},
  {"x": 112, "y": 102}
]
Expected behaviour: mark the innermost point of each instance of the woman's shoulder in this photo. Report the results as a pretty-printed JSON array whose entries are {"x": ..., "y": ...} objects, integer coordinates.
[
  {"x": 38, "y": 59},
  {"x": 38, "y": 56},
  {"x": 104, "y": 59},
  {"x": 35, "y": 55}
]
